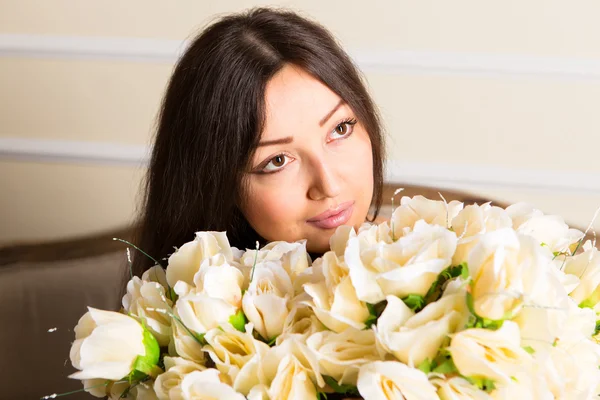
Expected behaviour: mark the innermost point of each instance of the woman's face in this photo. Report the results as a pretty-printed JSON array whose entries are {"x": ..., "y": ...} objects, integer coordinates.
[{"x": 313, "y": 169}]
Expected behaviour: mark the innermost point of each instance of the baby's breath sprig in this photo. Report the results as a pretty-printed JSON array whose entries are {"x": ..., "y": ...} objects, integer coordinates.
[
  {"x": 255, "y": 259},
  {"x": 140, "y": 250},
  {"x": 55, "y": 395},
  {"x": 393, "y": 198}
]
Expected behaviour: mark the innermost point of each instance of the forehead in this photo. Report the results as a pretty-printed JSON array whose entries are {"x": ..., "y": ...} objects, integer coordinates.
[{"x": 293, "y": 96}]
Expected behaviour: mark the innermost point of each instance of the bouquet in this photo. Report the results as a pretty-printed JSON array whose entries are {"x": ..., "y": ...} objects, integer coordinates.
[{"x": 443, "y": 301}]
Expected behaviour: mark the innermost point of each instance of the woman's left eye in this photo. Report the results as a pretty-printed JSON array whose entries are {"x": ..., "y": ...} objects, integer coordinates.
[{"x": 343, "y": 129}]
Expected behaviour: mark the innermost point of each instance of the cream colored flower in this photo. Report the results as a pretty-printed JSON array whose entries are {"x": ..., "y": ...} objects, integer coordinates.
[
  {"x": 413, "y": 338},
  {"x": 570, "y": 368},
  {"x": 434, "y": 212},
  {"x": 186, "y": 261},
  {"x": 338, "y": 241},
  {"x": 408, "y": 266},
  {"x": 340, "y": 355},
  {"x": 526, "y": 387},
  {"x": 387, "y": 380},
  {"x": 334, "y": 299},
  {"x": 265, "y": 303},
  {"x": 143, "y": 299},
  {"x": 300, "y": 323},
  {"x": 232, "y": 351},
  {"x": 457, "y": 388},
  {"x": 293, "y": 256},
  {"x": 107, "y": 344},
  {"x": 586, "y": 267},
  {"x": 290, "y": 371},
  {"x": 495, "y": 355},
  {"x": 185, "y": 345},
  {"x": 168, "y": 385},
  {"x": 506, "y": 268},
  {"x": 472, "y": 222},
  {"x": 200, "y": 312},
  {"x": 220, "y": 280},
  {"x": 156, "y": 274},
  {"x": 202, "y": 385},
  {"x": 551, "y": 230}
]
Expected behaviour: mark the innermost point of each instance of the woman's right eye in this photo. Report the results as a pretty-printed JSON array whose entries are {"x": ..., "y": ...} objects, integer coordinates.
[{"x": 276, "y": 163}]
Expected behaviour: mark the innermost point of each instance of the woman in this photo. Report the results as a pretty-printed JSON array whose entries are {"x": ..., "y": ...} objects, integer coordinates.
[{"x": 266, "y": 131}]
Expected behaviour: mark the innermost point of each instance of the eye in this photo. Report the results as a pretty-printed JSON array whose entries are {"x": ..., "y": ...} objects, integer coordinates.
[
  {"x": 343, "y": 129},
  {"x": 276, "y": 163}
]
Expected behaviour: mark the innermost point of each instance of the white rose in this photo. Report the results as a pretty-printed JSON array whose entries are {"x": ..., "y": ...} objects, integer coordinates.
[
  {"x": 496, "y": 355},
  {"x": 548, "y": 229},
  {"x": 408, "y": 266},
  {"x": 290, "y": 371},
  {"x": 586, "y": 266},
  {"x": 143, "y": 299},
  {"x": 220, "y": 280},
  {"x": 293, "y": 256},
  {"x": 339, "y": 239},
  {"x": 156, "y": 274},
  {"x": 340, "y": 355},
  {"x": 473, "y": 221},
  {"x": 334, "y": 298},
  {"x": 186, "y": 344},
  {"x": 200, "y": 312},
  {"x": 200, "y": 385},
  {"x": 301, "y": 322},
  {"x": 570, "y": 368},
  {"x": 168, "y": 385},
  {"x": 526, "y": 387},
  {"x": 186, "y": 261},
  {"x": 506, "y": 268},
  {"x": 108, "y": 344},
  {"x": 387, "y": 380},
  {"x": 554, "y": 318},
  {"x": 457, "y": 388},
  {"x": 232, "y": 351},
  {"x": 265, "y": 303},
  {"x": 413, "y": 338},
  {"x": 434, "y": 212}
]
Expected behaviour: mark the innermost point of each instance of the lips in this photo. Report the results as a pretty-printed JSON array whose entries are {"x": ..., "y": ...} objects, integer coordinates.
[{"x": 335, "y": 217}]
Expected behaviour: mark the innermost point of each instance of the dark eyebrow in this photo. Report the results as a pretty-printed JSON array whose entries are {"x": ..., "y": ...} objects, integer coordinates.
[
  {"x": 285, "y": 140},
  {"x": 326, "y": 118},
  {"x": 289, "y": 139}
]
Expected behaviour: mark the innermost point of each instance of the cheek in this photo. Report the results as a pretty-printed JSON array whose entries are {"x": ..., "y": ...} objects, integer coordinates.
[{"x": 273, "y": 212}]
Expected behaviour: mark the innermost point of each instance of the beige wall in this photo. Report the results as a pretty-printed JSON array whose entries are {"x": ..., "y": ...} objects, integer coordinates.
[{"x": 496, "y": 97}]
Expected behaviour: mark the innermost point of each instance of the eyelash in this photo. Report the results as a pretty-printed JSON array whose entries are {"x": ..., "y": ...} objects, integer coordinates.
[{"x": 347, "y": 121}]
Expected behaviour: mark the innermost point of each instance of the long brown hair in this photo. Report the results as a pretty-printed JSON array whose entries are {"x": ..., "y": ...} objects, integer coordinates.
[{"x": 211, "y": 118}]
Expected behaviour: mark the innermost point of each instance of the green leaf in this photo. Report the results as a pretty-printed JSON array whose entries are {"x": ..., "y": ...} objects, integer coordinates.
[
  {"x": 147, "y": 364},
  {"x": 415, "y": 302},
  {"x": 344, "y": 389},
  {"x": 272, "y": 341},
  {"x": 446, "y": 367},
  {"x": 375, "y": 311},
  {"x": 239, "y": 321},
  {"x": 482, "y": 383},
  {"x": 597, "y": 330},
  {"x": 449, "y": 273},
  {"x": 591, "y": 301},
  {"x": 425, "y": 366},
  {"x": 529, "y": 349},
  {"x": 371, "y": 320},
  {"x": 321, "y": 396}
]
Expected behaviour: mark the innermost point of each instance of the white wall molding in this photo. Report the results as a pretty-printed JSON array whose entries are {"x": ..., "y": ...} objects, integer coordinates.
[
  {"x": 442, "y": 175},
  {"x": 67, "y": 151},
  {"x": 437, "y": 62}
]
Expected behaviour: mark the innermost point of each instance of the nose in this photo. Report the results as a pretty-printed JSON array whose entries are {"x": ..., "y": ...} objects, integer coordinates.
[{"x": 324, "y": 182}]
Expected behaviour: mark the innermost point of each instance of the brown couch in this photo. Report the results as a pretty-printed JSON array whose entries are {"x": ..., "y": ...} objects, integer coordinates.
[{"x": 48, "y": 285}]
